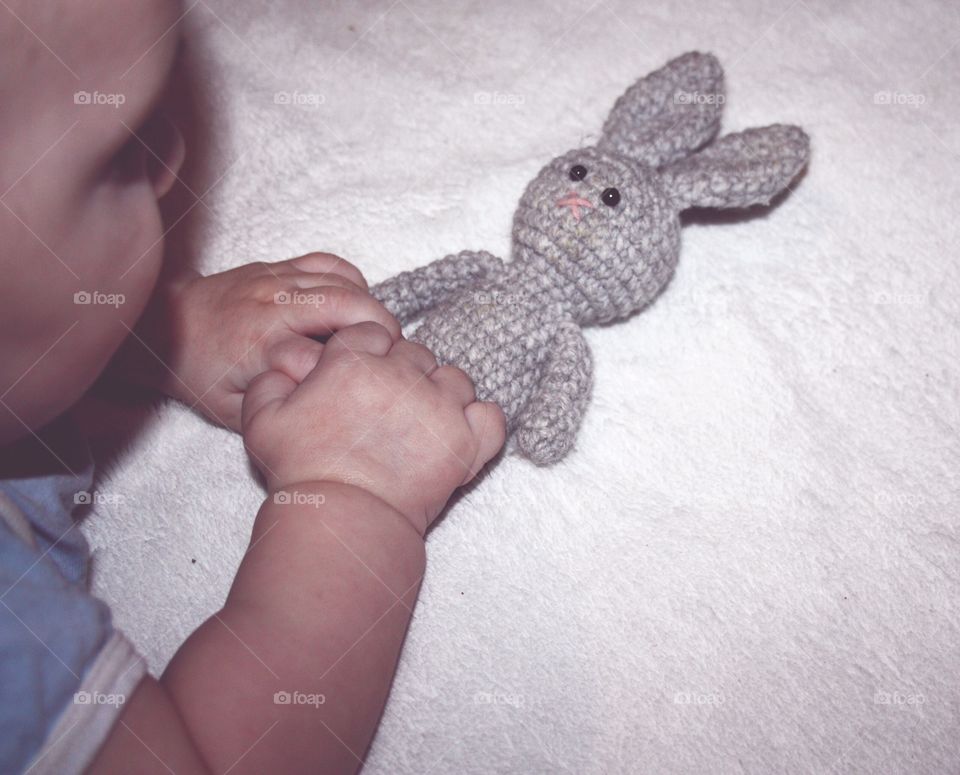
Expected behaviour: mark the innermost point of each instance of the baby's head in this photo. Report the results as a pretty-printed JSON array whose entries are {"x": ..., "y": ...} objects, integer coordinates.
[
  {"x": 602, "y": 224},
  {"x": 80, "y": 224}
]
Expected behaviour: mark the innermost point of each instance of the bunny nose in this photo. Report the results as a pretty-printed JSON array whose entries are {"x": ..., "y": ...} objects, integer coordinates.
[{"x": 574, "y": 202}]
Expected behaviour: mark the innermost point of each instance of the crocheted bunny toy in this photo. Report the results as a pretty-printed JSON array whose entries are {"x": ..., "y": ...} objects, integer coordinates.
[{"x": 596, "y": 237}]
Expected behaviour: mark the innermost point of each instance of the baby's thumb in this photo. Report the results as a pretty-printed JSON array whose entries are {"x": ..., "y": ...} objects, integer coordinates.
[
  {"x": 294, "y": 355},
  {"x": 266, "y": 393},
  {"x": 489, "y": 427}
]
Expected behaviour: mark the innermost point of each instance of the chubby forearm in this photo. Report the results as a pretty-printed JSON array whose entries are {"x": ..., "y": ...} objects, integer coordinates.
[
  {"x": 317, "y": 613},
  {"x": 293, "y": 673}
]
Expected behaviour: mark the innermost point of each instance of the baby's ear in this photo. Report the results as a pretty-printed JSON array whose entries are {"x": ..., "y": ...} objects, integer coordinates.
[
  {"x": 739, "y": 170},
  {"x": 669, "y": 113}
]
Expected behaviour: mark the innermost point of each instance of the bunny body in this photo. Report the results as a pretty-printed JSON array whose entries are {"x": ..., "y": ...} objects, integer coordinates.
[
  {"x": 521, "y": 347},
  {"x": 596, "y": 237}
]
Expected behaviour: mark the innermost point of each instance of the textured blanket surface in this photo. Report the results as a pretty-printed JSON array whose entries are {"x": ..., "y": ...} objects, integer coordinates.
[{"x": 750, "y": 560}]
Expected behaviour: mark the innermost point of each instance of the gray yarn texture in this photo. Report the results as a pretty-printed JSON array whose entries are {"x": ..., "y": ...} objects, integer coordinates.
[{"x": 515, "y": 327}]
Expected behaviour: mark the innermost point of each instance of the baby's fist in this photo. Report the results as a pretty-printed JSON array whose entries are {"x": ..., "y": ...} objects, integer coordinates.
[{"x": 376, "y": 412}]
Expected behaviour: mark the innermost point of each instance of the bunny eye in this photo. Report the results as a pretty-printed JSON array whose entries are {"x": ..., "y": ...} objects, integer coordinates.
[
  {"x": 578, "y": 172},
  {"x": 610, "y": 197}
]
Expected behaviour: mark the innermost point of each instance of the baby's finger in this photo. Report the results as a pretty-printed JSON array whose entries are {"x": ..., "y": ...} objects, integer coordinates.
[
  {"x": 324, "y": 310},
  {"x": 489, "y": 427},
  {"x": 453, "y": 381},
  {"x": 307, "y": 280},
  {"x": 422, "y": 359},
  {"x": 265, "y": 393},
  {"x": 366, "y": 337},
  {"x": 294, "y": 355},
  {"x": 325, "y": 263}
]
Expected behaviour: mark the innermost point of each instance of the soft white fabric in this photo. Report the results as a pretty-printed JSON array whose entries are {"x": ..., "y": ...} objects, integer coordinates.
[{"x": 749, "y": 563}]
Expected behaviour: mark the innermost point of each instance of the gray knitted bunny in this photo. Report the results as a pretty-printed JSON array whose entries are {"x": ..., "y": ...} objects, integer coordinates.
[{"x": 596, "y": 237}]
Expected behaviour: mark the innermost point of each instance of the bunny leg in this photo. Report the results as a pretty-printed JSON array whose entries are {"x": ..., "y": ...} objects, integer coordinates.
[
  {"x": 548, "y": 425},
  {"x": 408, "y": 294}
]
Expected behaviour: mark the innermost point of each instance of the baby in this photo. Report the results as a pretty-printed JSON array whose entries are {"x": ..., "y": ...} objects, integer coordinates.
[{"x": 360, "y": 440}]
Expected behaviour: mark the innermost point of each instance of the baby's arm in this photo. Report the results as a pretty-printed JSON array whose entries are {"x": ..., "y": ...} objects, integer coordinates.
[
  {"x": 359, "y": 458},
  {"x": 318, "y": 610}
]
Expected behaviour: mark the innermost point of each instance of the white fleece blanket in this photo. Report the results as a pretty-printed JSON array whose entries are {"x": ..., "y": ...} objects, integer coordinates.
[{"x": 750, "y": 562}]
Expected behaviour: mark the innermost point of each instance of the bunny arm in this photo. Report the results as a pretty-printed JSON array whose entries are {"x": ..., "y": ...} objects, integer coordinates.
[
  {"x": 408, "y": 294},
  {"x": 548, "y": 425}
]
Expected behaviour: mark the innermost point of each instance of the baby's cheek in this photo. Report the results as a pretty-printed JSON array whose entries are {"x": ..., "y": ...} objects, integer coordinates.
[{"x": 125, "y": 253}]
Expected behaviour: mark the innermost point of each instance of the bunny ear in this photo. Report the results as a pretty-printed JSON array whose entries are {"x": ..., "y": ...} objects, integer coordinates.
[
  {"x": 738, "y": 170},
  {"x": 669, "y": 113}
]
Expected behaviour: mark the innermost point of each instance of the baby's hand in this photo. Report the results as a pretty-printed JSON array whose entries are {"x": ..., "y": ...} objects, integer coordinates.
[
  {"x": 376, "y": 412},
  {"x": 215, "y": 334}
]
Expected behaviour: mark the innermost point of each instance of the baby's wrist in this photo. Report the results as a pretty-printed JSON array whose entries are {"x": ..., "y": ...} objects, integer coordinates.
[{"x": 329, "y": 493}]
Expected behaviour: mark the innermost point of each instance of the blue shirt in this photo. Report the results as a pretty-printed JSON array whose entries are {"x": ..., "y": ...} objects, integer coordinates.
[{"x": 51, "y": 628}]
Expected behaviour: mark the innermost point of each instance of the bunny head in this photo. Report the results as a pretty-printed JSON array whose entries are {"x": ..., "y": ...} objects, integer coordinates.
[{"x": 600, "y": 225}]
